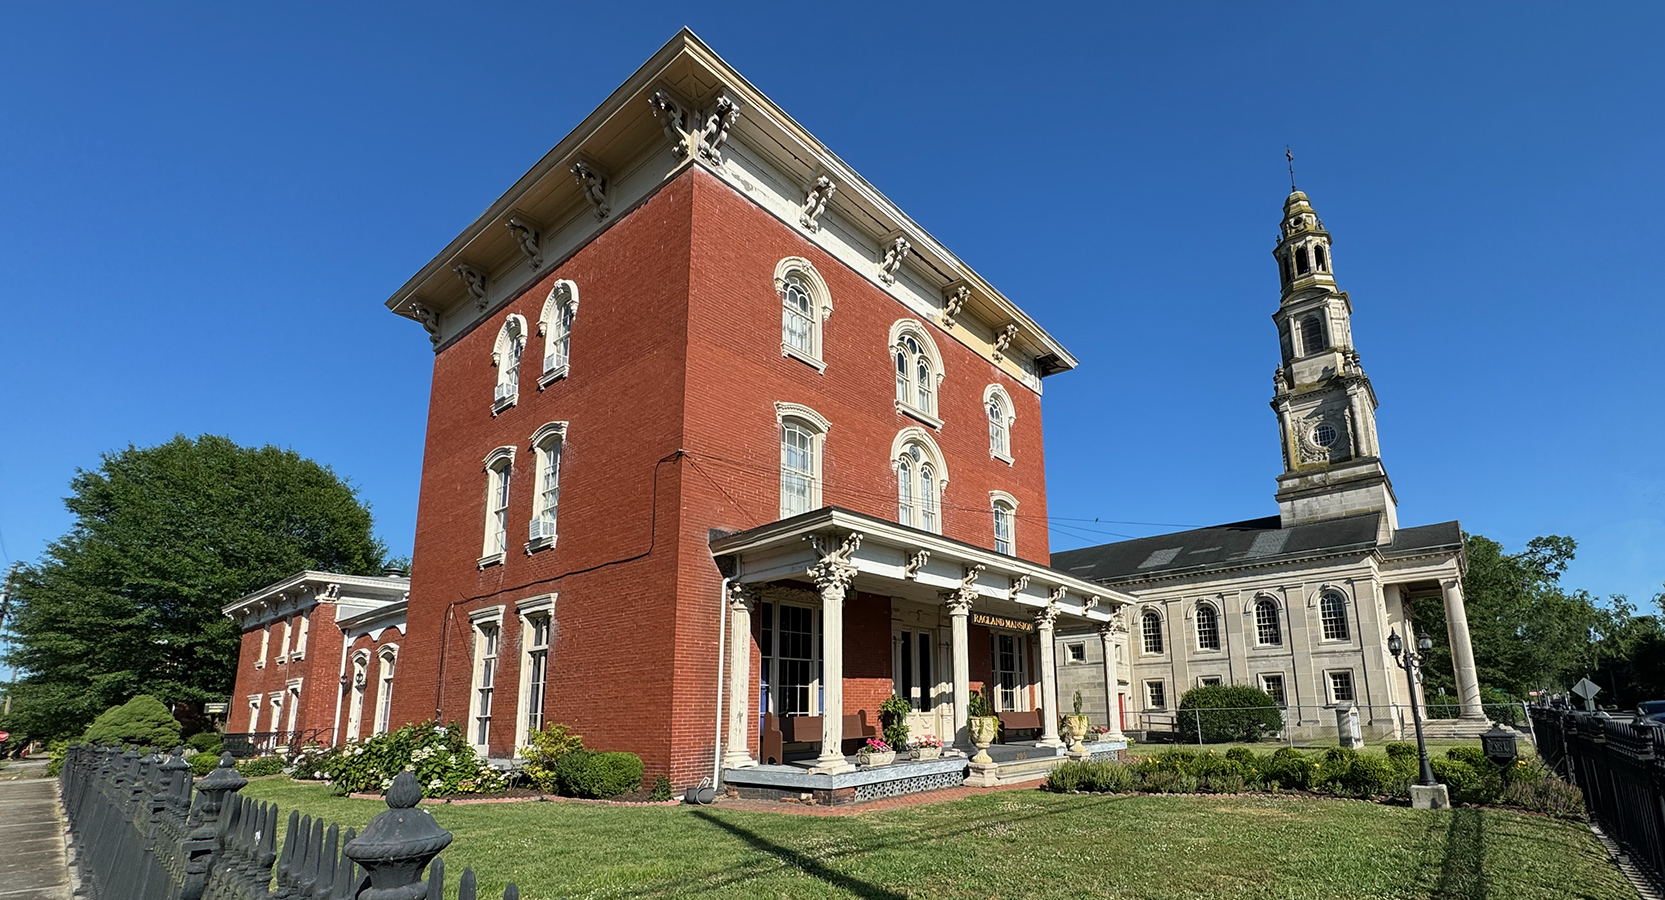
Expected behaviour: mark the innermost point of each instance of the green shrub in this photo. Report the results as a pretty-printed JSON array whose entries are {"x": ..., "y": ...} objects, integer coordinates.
[
  {"x": 440, "y": 756},
  {"x": 598, "y": 776},
  {"x": 142, "y": 722},
  {"x": 1548, "y": 795},
  {"x": 1167, "y": 781},
  {"x": 1096, "y": 776},
  {"x": 1071, "y": 776},
  {"x": 1227, "y": 713},
  {"x": 1401, "y": 750},
  {"x": 203, "y": 763},
  {"x": 1243, "y": 755},
  {"x": 1467, "y": 784},
  {"x": 56, "y": 753},
  {"x": 261, "y": 766},
  {"x": 661, "y": 789},
  {"x": 893, "y": 716},
  {"x": 1222, "y": 784},
  {"x": 1370, "y": 776},
  {"x": 1471, "y": 755},
  {"x": 1289, "y": 770},
  {"x": 545, "y": 752},
  {"x": 206, "y": 742}
]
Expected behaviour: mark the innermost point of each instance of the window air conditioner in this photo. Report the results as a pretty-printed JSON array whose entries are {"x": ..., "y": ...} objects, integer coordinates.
[{"x": 542, "y": 527}]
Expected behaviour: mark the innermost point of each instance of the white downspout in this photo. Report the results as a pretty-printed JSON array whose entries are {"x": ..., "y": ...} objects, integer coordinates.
[{"x": 722, "y": 657}]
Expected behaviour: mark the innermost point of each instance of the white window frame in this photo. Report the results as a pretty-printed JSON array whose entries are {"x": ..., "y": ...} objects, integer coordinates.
[
  {"x": 1254, "y": 616},
  {"x": 1329, "y": 686},
  {"x": 909, "y": 382},
  {"x": 1000, "y": 429},
  {"x": 1144, "y": 638},
  {"x": 1346, "y": 636},
  {"x": 548, "y": 446},
  {"x": 293, "y": 701},
  {"x": 1075, "y": 653},
  {"x": 800, "y": 270},
  {"x": 1197, "y": 631},
  {"x": 506, "y": 355},
  {"x": 560, "y": 310},
  {"x": 917, "y": 508},
  {"x": 274, "y": 702},
  {"x": 1000, "y": 503},
  {"x": 1281, "y": 698},
  {"x": 358, "y": 686},
  {"x": 796, "y": 415},
  {"x": 486, "y": 628},
  {"x": 254, "y": 712},
  {"x": 499, "y": 467},
  {"x": 283, "y": 648},
  {"x": 1021, "y": 700},
  {"x": 1210, "y": 681},
  {"x": 536, "y": 608},
  {"x": 299, "y": 651},
  {"x": 771, "y": 698},
  {"x": 387, "y": 670},
  {"x": 265, "y": 645},
  {"x": 1162, "y": 688}
]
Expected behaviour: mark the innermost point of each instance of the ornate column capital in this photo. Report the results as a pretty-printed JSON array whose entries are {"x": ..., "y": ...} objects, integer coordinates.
[
  {"x": 1046, "y": 616},
  {"x": 960, "y": 599},
  {"x": 742, "y": 597},
  {"x": 834, "y": 572}
]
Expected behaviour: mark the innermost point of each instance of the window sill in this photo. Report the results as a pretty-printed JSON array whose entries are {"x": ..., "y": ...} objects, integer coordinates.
[
  {"x": 260, "y": 665},
  {"x": 499, "y": 406},
  {"x": 281, "y": 661},
  {"x": 536, "y": 544},
  {"x": 493, "y": 559},
  {"x": 1000, "y": 456},
  {"x": 920, "y": 415},
  {"x": 297, "y": 656},
  {"x": 550, "y": 377},
  {"x": 787, "y": 350}
]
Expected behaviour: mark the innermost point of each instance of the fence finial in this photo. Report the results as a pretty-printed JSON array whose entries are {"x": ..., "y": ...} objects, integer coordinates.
[{"x": 398, "y": 844}]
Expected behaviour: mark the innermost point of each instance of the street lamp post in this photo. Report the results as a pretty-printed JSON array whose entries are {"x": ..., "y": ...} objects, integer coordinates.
[{"x": 1427, "y": 793}]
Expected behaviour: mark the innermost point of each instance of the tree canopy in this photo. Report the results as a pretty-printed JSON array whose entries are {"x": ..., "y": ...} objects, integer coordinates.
[{"x": 128, "y": 602}]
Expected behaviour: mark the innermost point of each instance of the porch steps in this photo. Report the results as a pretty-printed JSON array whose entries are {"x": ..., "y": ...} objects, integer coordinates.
[{"x": 1452, "y": 729}]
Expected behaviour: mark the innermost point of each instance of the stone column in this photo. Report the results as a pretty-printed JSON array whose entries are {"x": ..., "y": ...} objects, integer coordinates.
[
  {"x": 1112, "y": 688},
  {"x": 833, "y": 575},
  {"x": 959, "y": 609},
  {"x": 1049, "y": 678},
  {"x": 741, "y": 600},
  {"x": 1462, "y": 652}
]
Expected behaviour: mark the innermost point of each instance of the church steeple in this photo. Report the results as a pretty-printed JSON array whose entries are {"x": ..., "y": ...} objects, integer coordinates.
[{"x": 1326, "y": 407}]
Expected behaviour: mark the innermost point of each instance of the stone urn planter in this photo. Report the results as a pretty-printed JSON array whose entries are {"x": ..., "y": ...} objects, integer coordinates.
[
  {"x": 923, "y": 753},
  {"x": 983, "y": 730},
  {"x": 877, "y": 758},
  {"x": 1077, "y": 728}
]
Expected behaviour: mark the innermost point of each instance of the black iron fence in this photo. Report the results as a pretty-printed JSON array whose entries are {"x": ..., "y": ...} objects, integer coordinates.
[
  {"x": 1620, "y": 766},
  {"x": 140, "y": 829},
  {"x": 244, "y": 744}
]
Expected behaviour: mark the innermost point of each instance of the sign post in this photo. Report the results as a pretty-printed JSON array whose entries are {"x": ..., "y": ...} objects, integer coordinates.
[{"x": 1587, "y": 691}]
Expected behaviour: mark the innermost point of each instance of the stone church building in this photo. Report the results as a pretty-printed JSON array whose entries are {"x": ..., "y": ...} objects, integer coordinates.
[{"x": 1299, "y": 604}]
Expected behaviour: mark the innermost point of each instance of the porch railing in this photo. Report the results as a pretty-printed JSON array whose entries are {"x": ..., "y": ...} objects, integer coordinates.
[
  {"x": 141, "y": 830},
  {"x": 1620, "y": 766}
]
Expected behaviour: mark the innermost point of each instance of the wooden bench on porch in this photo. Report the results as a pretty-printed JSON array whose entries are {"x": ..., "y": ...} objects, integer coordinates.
[
  {"x": 778, "y": 731},
  {"x": 1019, "y": 721}
]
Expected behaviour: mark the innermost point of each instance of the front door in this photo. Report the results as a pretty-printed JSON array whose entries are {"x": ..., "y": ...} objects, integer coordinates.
[{"x": 917, "y": 679}]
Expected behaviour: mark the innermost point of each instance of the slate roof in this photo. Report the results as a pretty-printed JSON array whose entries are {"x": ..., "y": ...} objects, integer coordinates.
[{"x": 1236, "y": 543}]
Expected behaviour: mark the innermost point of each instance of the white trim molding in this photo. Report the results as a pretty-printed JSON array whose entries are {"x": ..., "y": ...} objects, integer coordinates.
[
  {"x": 821, "y": 308},
  {"x": 784, "y": 410},
  {"x": 989, "y": 393},
  {"x": 542, "y": 603},
  {"x": 560, "y": 311}
]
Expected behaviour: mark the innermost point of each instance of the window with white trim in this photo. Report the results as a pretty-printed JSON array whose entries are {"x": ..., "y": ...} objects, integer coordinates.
[
  {"x": 536, "y": 673},
  {"x": 499, "y": 469},
  {"x": 918, "y": 371},
  {"x": 920, "y": 478},
  {"x": 305, "y": 620},
  {"x": 997, "y": 406},
  {"x": 1156, "y": 695},
  {"x": 1005, "y": 522},
  {"x": 486, "y": 634},
  {"x": 505, "y": 355},
  {"x": 547, "y": 444},
  {"x": 555, "y": 324},
  {"x": 294, "y": 702},
  {"x": 1332, "y": 614},
  {"x": 1150, "y": 631},
  {"x": 1268, "y": 628},
  {"x": 789, "y": 644},
  {"x": 1209, "y": 681},
  {"x": 1341, "y": 685},
  {"x": 254, "y": 713},
  {"x": 283, "y": 648},
  {"x": 1075, "y": 653},
  {"x": 384, "y": 689},
  {"x": 1009, "y": 652},
  {"x": 265, "y": 647},
  {"x": 1272, "y": 684},
  {"x": 805, "y": 305},
  {"x": 803, "y": 433},
  {"x": 275, "y": 700},
  {"x": 1208, "y": 627}
]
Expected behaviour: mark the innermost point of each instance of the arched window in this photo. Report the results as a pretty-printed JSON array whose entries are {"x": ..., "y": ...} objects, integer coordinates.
[
  {"x": 1332, "y": 614},
  {"x": 384, "y": 689},
  {"x": 920, "y": 478},
  {"x": 505, "y": 355},
  {"x": 1312, "y": 335},
  {"x": 1323, "y": 258},
  {"x": 355, "y": 705},
  {"x": 499, "y": 466},
  {"x": 546, "y": 503},
  {"x": 559, "y": 309},
  {"x": 1150, "y": 631},
  {"x": 1283, "y": 268},
  {"x": 1268, "y": 632},
  {"x": 998, "y": 407},
  {"x": 1005, "y": 522},
  {"x": 805, "y": 304},
  {"x": 918, "y": 371},
  {"x": 1303, "y": 263},
  {"x": 802, "y": 431},
  {"x": 1208, "y": 627}
]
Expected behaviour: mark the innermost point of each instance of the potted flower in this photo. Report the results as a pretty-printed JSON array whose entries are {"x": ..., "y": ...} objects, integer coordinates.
[
  {"x": 1097, "y": 732},
  {"x": 926, "y": 746},
  {"x": 876, "y": 753},
  {"x": 1075, "y": 725},
  {"x": 893, "y": 719},
  {"x": 982, "y": 724}
]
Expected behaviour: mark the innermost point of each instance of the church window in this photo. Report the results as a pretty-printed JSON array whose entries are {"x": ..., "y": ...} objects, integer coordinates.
[
  {"x": 1208, "y": 628},
  {"x": 1303, "y": 263},
  {"x": 1268, "y": 631},
  {"x": 1323, "y": 435},
  {"x": 1333, "y": 615},
  {"x": 1150, "y": 631},
  {"x": 1312, "y": 335},
  {"x": 1156, "y": 695},
  {"x": 1273, "y": 686},
  {"x": 918, "y": 371},
  {"x": 559, "y": 309},
  {"x": 920, "y": 477},
  {"x": 805, "y": 304},
  {"x": 511, "y": 342},
  {"x": 1341, "y": 686},
  {"x": 1322, "y": 257},
  {"x": 1283, "y": 268}
]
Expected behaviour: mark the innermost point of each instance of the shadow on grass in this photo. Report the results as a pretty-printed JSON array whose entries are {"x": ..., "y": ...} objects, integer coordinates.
[
  {"x": 1462, "y": 872},
  {"x": 801, "y": 862}
]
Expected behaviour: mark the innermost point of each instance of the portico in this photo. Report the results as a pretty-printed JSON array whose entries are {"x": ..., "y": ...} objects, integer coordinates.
[{"x": 845, "y": 610}]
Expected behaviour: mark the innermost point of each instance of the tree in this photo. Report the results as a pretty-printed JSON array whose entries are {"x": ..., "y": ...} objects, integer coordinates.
[
  {"x": 1227, "y": 713},
  {"x": 128, "y": 602},
  {"x": 142, "y": 721}
]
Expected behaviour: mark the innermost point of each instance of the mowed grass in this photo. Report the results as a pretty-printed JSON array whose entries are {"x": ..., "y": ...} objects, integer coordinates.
[{"x": 1009, "y": 844}]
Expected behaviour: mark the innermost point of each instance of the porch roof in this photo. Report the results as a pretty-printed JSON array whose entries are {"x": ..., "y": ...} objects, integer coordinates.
[{"x": 908, "y": 562}]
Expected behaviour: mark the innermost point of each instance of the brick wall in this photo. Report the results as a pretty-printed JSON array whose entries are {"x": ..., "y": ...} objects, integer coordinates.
[{"x": 318, "y": 667}]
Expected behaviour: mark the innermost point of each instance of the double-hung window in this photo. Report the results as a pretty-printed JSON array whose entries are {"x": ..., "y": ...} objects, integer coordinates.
[
  {"x": 1273, "y": 686},
  {"x": 547, "y": 445},
  {"x": 1268, "y": 630},
  {"x": 505, "y": 355},
  {"x": 384, "y": 689},
  {"x": 920, "y": 477},
  {"x": 555, "y": 324},
  {"x": 1009, "y": 662},
  {"x": 499, "y": 469},
  {"x": 1005, "y": 522},
  {"x": 1332, "y": 608},
  {"x": 804, "y": 305},
  {"x": 1150, "y": 631},
  {"x": 998, "y": 407},
  {"x": 918, "y": 371},
  {"x": 803, "y": 432},
  {"x": 1208, "y": 628},
  {"x": 486, "y": 634},
  {"x": 790, "y": 647},
  {"x": 537, "y": 670}
]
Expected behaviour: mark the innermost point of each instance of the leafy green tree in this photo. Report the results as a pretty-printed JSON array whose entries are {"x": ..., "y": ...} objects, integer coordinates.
[
  {"x": 128, "y": 602},
  {"x": 142, "y": 721}
]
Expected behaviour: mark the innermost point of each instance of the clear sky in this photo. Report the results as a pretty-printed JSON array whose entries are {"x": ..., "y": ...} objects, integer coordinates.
[{"x": 203, "y": 208}]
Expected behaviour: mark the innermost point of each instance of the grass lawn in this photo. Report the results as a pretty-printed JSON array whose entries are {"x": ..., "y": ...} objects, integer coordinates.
[{"x": 1009, "y": 844}]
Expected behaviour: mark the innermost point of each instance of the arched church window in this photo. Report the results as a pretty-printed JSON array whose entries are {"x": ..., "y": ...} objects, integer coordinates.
[
  {"x": 1150, "y": 631},
  {"x": 1303, "y": 262},
  {"x": 1283, "y": 269},
  {"x": 1208, "y": 628},
  {"x": 1268, "y": 632},
  {"x": 1312, "y": 335},
  {"x": 1332, "y": 610},
  {"x": 1323, "y": 258}
]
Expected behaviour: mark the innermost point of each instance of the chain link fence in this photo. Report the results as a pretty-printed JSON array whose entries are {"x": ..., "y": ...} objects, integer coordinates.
[{"x": 1296, "y": 724}]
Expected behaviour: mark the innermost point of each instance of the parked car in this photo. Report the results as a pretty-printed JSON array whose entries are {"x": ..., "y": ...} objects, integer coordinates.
[{"x": 1651, "y": 711}]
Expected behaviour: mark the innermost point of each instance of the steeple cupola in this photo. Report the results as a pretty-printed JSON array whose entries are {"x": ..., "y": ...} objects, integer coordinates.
[{"x": 1325, "y": 404}]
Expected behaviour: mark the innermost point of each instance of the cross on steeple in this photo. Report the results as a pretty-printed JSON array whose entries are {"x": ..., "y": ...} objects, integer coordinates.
[{"x": 1290, "y": 155}]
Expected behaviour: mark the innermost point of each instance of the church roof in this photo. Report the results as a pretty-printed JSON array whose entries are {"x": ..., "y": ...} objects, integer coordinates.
[{"x": 1253, "y": 542}]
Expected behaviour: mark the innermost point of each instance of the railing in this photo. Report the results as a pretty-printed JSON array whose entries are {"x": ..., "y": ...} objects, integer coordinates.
[
  {"x": 244, "y": 744},
  {"x": 1620, "y": 766},
  {"x": 140, "y": 830}
]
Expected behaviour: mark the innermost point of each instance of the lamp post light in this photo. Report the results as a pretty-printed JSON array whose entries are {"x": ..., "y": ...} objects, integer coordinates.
[{"x": 1427, "y": 793}]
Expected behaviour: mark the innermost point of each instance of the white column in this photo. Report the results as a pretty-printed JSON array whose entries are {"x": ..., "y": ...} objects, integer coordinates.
[
  {"x": 959, "y": 609},
  {"x": 833, "y": 575},
  {"x": 1462, "y": 652},
  {"x": 1112, "y": 692},
  {"x": 1049, "y": 678},
  {"x": 741, "y": 600}
]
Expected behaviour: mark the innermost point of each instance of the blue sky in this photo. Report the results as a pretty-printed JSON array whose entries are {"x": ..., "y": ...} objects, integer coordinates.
[{"x": 204, "y": 207}]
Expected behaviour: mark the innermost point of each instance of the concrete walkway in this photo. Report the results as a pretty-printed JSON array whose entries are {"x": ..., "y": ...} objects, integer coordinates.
[{"x": 31, "y": 834}]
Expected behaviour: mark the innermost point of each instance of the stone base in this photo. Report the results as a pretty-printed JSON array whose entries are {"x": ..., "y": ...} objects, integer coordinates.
[
  {"x": 1430, "y": 796},
  {"x": 983, "y": 774}
]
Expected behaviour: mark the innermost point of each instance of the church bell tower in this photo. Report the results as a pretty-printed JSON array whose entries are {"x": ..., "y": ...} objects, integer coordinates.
[{"x": 1325, "y": 405}]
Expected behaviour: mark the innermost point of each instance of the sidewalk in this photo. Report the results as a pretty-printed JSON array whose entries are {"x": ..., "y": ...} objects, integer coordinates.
[{"x": 31, "y": 833}]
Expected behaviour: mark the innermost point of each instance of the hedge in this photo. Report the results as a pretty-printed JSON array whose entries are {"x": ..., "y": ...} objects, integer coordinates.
[{"x": 1227, "y": 713}]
